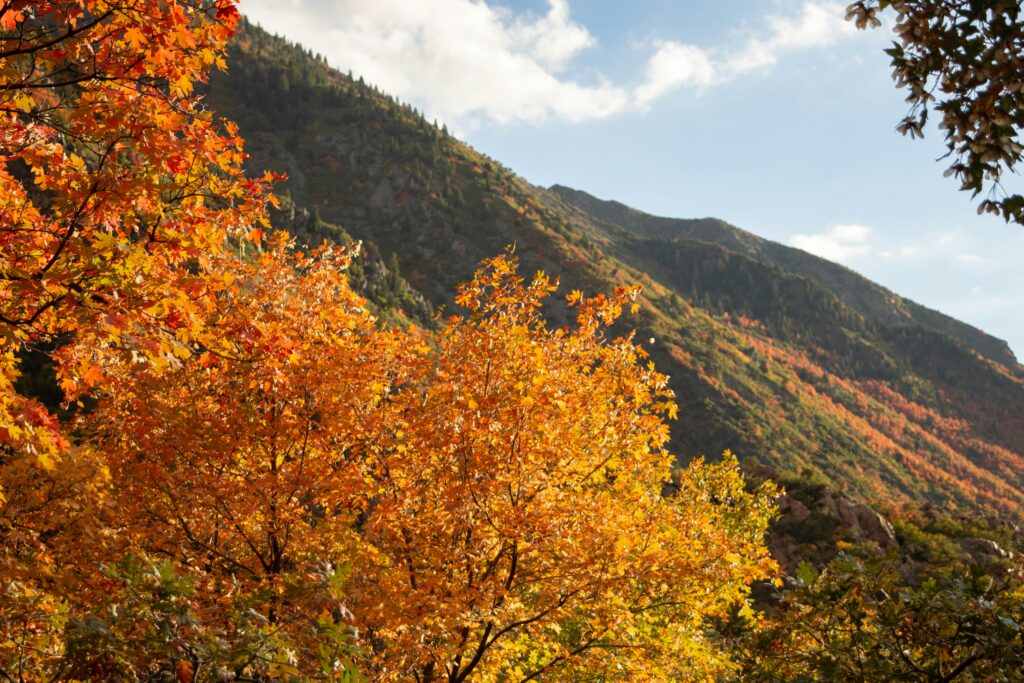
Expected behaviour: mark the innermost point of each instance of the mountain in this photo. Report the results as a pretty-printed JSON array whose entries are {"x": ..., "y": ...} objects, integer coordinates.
[
  {"x": 792, "y": 362},
  {"x": 857, "y": 292}
]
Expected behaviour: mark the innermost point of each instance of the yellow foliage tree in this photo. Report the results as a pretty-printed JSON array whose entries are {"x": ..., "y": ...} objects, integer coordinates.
[
  {"x": 500, "y": 496},
  {"x": 522, "y": 506}
]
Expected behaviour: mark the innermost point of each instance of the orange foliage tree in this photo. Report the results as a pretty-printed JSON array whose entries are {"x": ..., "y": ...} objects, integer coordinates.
[
  {"x": 525, "y": 512},
  {"x": 110, "y": 176},
  {"x": 115, "y": 186},
  {"x": 500, "y": 497},
  {"x": 240, "y": 461}
]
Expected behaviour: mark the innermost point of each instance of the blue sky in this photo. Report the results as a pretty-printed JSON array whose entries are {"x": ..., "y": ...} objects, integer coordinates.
[{"x": 774, "y": 115}]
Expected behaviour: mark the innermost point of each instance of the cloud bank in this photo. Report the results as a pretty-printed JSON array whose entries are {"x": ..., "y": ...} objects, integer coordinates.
[
  {"x": 840, "y": 243},
  {"x": 861, "y": 246},
  {"x": 465, "y": 61}
]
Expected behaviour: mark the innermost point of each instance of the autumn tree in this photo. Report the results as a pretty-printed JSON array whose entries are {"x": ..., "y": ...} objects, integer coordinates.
[
  {"x": 965, "y": 61},
  {"x": 500, "y": 496},
  {"x": 521, "y": 509},
  {"x": 115, "y": 186},
  {"x": 111, "y": 175},
  {"x": 238, "y": 458}
]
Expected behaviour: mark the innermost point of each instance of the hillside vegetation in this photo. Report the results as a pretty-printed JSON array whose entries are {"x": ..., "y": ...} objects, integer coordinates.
[{"x": 791, "y": 361}]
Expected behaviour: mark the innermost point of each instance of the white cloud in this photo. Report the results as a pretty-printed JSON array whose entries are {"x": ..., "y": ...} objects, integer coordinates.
[
  {"x": 968, "y": 259},
  {"x": 673, "y": 66},
  {"x": 839, "y": 243},
  {"x": 676, "y": 65},
  {"x": 819, "y": 24},
  {"x": 553, "y": 39},
  {"x": 464, "y": 60},
  {"x": 845, "y": 243}
]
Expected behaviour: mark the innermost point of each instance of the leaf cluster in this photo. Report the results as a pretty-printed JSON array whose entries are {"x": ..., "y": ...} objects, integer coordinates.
[
  {"x": 858, "y": 620},
  {"x": 965, "y": 61}
]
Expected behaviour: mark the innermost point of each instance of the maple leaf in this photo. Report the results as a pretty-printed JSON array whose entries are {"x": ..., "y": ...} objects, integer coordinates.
[
  {"x": 10, "y": 19},
  {"x": 134, "y": 36},
  {"x": 227, "y": 11}
]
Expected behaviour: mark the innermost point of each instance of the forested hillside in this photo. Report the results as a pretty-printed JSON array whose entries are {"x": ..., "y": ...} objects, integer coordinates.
[{"x": 787, "y": 359}]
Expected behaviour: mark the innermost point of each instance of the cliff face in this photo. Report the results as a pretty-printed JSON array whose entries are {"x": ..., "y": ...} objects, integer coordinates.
[{"x": 786, "y": 359}]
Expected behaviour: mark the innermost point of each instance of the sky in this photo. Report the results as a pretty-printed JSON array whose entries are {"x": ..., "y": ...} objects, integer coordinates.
[{"x": 774, "y": 115}]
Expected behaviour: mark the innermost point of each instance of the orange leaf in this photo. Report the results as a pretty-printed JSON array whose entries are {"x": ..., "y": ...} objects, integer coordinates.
[{"x": 184, "y": 671}]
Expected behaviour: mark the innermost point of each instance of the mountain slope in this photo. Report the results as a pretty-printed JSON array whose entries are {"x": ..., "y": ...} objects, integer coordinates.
[
  {"x": 857, "y": 292},
  {"x": 787, "y": 359}
]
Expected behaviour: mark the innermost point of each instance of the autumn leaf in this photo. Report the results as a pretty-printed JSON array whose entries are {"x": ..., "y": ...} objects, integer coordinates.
[
  {"x": 134, "y": 36},
  {"x": 184, "y": 671},
  {"x": 10, "y": 18}
]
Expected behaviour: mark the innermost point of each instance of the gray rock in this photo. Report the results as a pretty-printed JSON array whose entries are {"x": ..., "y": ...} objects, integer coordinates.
[
  {"x": 861, "y": 522},
  {"x": 866, "y": 524},
  {"x": 984, "y": 550}
]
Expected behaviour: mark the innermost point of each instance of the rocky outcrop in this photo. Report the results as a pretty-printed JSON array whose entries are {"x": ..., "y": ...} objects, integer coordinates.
[
  {"x": 984, "y": 551},
  {"x": 811, "y": 524},
  {"x": 860, "y": 521}
]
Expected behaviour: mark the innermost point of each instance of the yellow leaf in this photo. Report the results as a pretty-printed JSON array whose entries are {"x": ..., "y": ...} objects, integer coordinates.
[
  {"x": 45, "y": 461},
  {"x": 24, "y": 102}
]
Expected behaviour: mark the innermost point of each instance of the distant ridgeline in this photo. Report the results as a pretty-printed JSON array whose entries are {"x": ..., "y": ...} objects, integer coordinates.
[{"x": 789, "y": 360}]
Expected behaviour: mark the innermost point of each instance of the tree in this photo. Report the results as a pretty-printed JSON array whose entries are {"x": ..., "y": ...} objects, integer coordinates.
[
  {"x": 111, "y": 176},
  {"x": 520, "y": 512},
  {"x": 500, "y": 496},
  {"x": 239, "y": 460},
  {"x": 858, "y": 620},
  {"x": 966, "y": 61}
]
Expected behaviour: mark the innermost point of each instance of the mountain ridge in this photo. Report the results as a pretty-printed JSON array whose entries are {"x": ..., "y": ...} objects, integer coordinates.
[
  {"x": 765, "y": 360},
  {"x": 877, "y": 301}
]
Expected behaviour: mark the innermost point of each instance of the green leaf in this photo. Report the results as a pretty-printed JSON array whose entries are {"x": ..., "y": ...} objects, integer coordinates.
[{"x": 806, "y": 573}]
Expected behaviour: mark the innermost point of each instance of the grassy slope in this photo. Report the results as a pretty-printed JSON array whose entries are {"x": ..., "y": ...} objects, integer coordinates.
[{"x": 770, "y": 358}]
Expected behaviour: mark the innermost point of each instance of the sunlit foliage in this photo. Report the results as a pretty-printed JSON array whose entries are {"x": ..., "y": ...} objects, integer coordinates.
[{"x": 965, "y": 61}]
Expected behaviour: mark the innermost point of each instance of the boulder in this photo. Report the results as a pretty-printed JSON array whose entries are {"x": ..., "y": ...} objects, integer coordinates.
[
  {"x": 860, "y": 521},
  {"x": 793, "y": 509},
  {"x": 983, "y": 550}
]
